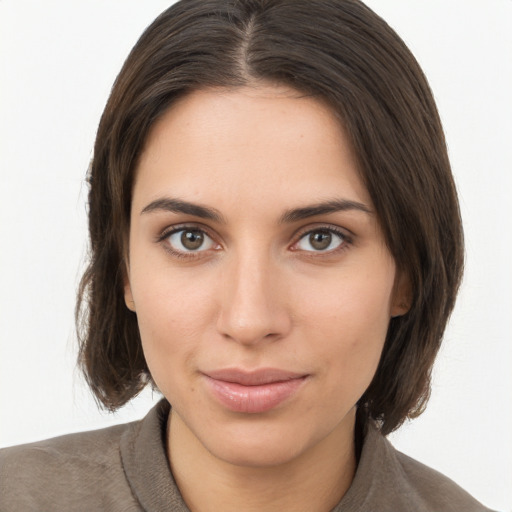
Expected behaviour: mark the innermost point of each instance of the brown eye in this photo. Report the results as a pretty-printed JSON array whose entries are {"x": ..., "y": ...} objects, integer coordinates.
[
  {"x": 321, "y": 240},
  {"x": 192, "y": 240},
  {"x": 189, "y": 240}
]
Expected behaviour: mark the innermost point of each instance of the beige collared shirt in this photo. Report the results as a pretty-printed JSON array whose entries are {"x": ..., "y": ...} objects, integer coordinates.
[{"x": 125, "y": 468}]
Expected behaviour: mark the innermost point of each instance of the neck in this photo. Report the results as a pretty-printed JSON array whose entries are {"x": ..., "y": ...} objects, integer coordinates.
[{"x": 315, "y": 480}]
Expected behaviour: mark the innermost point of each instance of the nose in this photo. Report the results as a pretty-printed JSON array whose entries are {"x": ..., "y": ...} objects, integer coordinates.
[{"x": 253, "y": 304}]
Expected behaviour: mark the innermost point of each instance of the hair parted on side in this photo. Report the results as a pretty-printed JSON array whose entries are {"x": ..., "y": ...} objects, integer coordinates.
[{"x": 340, "y": 52}]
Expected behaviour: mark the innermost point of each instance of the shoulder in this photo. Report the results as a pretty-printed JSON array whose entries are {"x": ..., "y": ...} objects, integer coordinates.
[
  {"x": 387, "y": 480},
  {"x": 435, "y": 490},
  {"x": 80, "y": 471}
]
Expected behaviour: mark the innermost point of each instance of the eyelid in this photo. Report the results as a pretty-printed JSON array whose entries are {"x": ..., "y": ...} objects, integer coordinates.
[
  {"x": 318, "y": 226},
  {"x": 344, "y": 233},
  {"x": 169, "y": 230},
  {"x": 192, "y": 226}
]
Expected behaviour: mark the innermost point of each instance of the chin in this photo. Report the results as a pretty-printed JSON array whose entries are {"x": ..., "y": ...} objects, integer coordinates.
[
  {"x": 258, "y": 443},
  {"x": 255, "y": 454}
]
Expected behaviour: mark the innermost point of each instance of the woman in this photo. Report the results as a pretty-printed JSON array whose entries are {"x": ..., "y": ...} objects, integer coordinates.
[{"x": 276, "y": 246}]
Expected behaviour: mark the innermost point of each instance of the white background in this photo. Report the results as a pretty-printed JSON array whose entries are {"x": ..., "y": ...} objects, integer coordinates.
[{"x": 58, "y": 60}]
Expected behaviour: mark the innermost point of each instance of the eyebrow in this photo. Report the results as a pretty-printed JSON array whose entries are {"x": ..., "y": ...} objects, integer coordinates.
[
  {"x": 179, "y": 206},
  {"x": 293, "y": 215},
  {"x": 323, "y": 208}
]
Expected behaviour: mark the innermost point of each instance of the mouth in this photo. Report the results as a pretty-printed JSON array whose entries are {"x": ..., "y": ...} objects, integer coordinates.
[{"x": 253, "y": 392}]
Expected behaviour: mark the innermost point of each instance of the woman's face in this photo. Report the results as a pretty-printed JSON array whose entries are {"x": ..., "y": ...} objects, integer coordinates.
[{"x": 258, "y": 272}]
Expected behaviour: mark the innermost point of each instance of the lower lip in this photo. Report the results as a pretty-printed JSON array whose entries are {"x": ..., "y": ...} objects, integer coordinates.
[{"x": 253, "y": 399}]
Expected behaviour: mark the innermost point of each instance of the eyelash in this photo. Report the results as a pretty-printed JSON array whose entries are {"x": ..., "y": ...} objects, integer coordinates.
[
  {"x": 347, "y": 240},
  {"x": 177, "y": 229}
]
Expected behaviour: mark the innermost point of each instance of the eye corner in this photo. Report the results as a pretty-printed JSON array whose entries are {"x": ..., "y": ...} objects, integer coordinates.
[
  {"x": 174, "y": 241},
  {"x": 334, "y": 232}
]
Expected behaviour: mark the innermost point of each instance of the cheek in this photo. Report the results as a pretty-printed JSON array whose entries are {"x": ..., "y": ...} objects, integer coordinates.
[
  {"x": 350, "y": 303},
  {"x": 174, "y": 317},
  {"x": 349, "y": 318}
]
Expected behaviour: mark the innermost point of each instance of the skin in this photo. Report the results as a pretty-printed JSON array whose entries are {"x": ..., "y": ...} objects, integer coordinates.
[{"x": 258, "y": 294}]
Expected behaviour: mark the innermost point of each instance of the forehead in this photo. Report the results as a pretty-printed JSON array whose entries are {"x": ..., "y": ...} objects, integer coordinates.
[{"x": 265, "y": 141}]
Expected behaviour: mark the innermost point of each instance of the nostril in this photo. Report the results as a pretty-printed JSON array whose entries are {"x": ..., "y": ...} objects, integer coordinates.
[{"x": 262, "y": 328}]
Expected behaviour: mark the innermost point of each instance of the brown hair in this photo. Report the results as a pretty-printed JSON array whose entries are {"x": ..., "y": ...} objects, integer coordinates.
[{"x": 340, "y": 52}]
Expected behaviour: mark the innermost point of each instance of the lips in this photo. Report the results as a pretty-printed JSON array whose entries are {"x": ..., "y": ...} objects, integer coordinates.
[{"x": 255, "y": 391}]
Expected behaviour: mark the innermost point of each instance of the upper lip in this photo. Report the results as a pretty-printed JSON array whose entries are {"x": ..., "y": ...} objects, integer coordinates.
[{"x": 256, "y": 377}]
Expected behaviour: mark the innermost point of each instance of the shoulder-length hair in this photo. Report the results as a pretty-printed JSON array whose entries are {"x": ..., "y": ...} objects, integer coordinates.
[{"x": 338, "y": 51}]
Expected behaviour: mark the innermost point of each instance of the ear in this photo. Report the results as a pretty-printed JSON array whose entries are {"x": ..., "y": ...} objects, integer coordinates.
[
  {"x": 128, "y": 296},
  {"x": 402, "y": 295}
]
